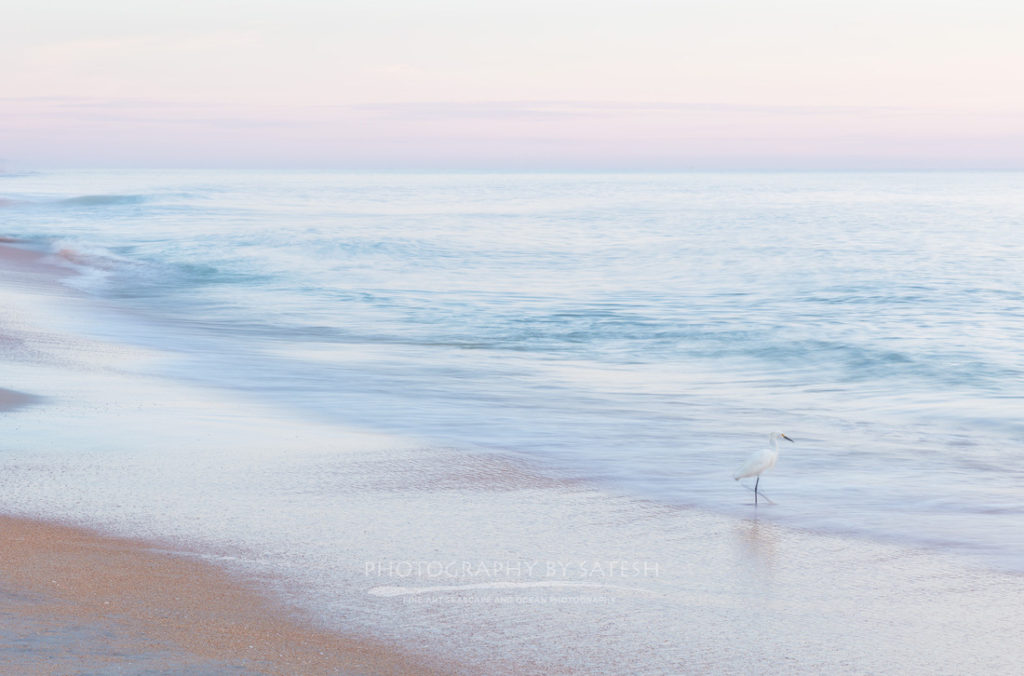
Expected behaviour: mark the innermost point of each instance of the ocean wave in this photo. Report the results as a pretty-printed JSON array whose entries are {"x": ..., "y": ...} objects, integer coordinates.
[
  {"x": 629, "y": 335},
  {"x": 101, "y": 200},
  {"x": 134, "y": 277}
]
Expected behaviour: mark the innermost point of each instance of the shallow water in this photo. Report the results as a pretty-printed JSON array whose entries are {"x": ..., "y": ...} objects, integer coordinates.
[{"x": 642, "y": 331}]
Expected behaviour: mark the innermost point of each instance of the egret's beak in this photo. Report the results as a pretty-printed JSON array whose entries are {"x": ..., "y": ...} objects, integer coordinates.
[{"x": 787, "y": 438}]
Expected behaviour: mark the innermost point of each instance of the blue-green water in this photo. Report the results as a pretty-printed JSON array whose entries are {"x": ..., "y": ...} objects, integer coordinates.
[{"x": 642, "y": 331}]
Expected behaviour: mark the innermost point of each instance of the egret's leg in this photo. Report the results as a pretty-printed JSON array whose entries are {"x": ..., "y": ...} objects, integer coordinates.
[{"x": 755, "y": 488}]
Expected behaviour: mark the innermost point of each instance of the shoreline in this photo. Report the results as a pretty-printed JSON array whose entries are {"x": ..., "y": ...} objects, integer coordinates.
[
  {"x": 116, "y": 513},
  {"x": 77, "y": 601}
]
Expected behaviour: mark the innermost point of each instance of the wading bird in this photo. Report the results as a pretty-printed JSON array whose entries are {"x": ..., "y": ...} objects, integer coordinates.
[{"x": 761, "y": 461}]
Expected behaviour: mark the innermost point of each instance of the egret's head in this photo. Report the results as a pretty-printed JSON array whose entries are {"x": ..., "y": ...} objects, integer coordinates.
[{"x": 780, "y": 435}]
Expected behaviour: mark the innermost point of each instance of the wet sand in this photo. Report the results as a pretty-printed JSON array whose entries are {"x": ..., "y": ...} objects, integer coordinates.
[
  {"x": 12, "y": 255},
  {"x": 78, "y": 602},
  {"x": 9, "y": 399}
]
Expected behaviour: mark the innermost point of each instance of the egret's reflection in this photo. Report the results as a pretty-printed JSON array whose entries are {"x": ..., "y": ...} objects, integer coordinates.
[{"x": 756, "y": 543}]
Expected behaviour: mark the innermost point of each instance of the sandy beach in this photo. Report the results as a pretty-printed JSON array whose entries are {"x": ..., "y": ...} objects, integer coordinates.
[
  {"x": 239, "y": 540},
  {"x": 77, "y": 602}
]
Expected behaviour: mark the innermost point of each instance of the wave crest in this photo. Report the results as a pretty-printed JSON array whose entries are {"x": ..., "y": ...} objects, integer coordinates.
[{"x": 101, "y": 200}]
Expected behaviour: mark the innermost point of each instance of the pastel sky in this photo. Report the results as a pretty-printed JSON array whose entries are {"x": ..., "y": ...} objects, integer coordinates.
[{"x": 529, "y": 84}]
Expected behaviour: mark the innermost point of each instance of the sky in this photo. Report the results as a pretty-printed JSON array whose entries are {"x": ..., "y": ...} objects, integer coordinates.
[{"x": 524, "y": 85}]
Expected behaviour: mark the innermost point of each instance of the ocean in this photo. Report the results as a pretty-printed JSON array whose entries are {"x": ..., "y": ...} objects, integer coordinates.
[{"x": 642, "y": 333}]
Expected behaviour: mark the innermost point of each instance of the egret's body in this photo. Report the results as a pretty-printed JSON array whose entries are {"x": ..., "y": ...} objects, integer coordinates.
[{"x": 761, "y": 461}]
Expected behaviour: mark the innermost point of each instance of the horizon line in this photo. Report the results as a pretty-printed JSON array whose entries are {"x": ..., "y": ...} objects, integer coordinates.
[{"x": 14, "y": 170}]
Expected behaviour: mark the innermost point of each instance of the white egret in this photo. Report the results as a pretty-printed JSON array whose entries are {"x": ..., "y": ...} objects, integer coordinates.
[{"x": 761, "y": 461}]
